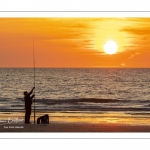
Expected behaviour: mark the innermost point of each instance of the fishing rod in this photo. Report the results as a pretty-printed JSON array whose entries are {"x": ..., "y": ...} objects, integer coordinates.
[{"x": 34, "y": 76}]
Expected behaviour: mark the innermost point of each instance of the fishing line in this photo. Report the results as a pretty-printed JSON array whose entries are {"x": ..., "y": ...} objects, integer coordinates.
[{"x": 34, "y": 77}]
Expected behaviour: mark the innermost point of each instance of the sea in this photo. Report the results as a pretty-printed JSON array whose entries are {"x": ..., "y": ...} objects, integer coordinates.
[{"x": 87, "y": 92}]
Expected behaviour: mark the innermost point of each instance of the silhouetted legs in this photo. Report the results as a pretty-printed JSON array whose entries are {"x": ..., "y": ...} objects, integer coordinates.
[{"x": 27, "y": 115}]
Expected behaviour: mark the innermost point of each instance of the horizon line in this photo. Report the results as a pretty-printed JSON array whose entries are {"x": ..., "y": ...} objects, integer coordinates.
[{"x": 75, "y": 67}]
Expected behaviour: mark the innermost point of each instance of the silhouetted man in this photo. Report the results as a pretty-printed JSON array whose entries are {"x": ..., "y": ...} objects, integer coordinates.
[{"x": 28, "y": 103}]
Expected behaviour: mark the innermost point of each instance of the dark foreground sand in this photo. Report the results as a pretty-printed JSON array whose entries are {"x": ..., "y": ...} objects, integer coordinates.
[{"x": 73, "y": 127}]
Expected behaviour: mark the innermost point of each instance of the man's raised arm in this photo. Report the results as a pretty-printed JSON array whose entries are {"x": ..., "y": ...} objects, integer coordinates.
[{"x": 31, "y": 91}]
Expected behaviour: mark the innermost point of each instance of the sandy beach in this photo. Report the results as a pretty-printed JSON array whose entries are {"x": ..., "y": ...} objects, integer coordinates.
[
  {"x": 61, "y": 122},
  {"x": 73, "y": 127}
]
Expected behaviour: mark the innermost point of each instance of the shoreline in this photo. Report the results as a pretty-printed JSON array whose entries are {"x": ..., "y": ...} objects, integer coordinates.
[
  {"x": 66, "y": 122},
  {"x": 57, "y": 126}
]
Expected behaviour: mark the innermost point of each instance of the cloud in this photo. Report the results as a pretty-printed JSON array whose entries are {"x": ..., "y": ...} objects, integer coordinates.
[
  {"x": 123, "y": 64},
  {"x": 137, "y": 26},
  {"x": 137, "y": 31},
  {"x": 131, "y": 56}
]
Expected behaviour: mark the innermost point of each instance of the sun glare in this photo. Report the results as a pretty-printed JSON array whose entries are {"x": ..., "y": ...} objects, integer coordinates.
[{"x": 110, "y": 47}]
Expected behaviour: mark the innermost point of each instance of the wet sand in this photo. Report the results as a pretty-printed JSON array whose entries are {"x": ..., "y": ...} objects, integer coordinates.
[{"x": 73, "y": 127}]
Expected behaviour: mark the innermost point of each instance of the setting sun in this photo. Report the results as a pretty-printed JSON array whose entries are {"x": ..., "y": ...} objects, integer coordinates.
[{"x": 110, "y": 47}]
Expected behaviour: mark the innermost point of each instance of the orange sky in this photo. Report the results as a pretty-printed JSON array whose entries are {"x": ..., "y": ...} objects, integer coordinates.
[{"x": 74, "y": 42}]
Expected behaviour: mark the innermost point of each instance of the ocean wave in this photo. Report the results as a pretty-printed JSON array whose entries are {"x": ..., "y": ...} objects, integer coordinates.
[
  {"x": 82, "y": 100},
  {"x": 81, "y": 109},
  {"x": 82, "y": 104}
]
